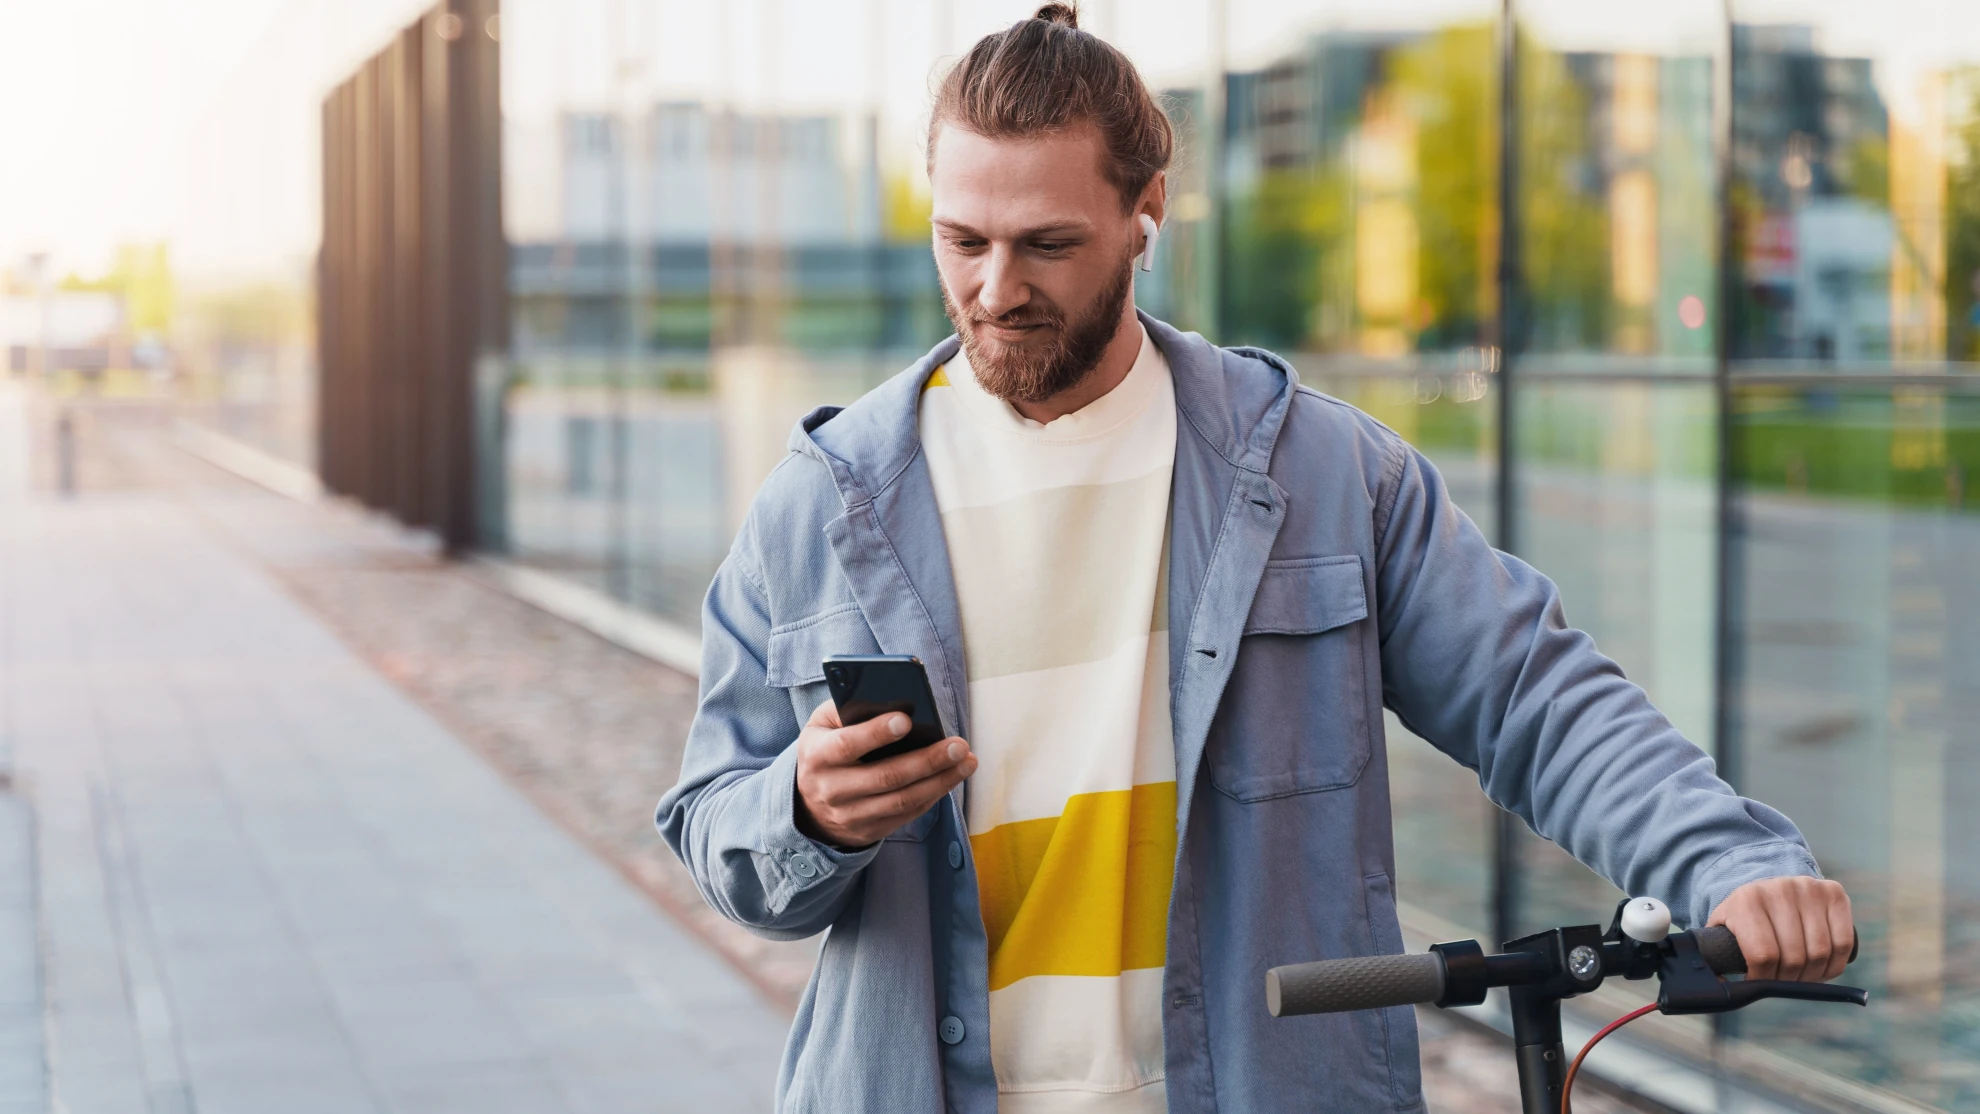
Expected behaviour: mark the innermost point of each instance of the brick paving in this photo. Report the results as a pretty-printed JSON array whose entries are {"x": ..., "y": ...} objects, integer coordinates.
[{"x": 587, "y": 731}]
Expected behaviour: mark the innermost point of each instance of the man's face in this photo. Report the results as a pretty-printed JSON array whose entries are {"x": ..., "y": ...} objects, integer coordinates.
[{"x": 1035, "y": 256}]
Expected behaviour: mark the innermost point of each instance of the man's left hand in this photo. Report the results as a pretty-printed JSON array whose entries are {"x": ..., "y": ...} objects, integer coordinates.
[{"x": 1790, "y": 928}]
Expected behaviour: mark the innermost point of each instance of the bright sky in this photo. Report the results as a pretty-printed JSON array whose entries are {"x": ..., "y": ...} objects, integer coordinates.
[
  {"x": 95, "y": 96},
  {"x": 196, "y": 120},
  {"x": 111, "y": 113}
]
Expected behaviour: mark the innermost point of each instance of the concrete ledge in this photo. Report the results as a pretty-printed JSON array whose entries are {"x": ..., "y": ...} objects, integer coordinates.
[
  {"x": 612, "y": 620},
  {"x": 248, "y": 462}
]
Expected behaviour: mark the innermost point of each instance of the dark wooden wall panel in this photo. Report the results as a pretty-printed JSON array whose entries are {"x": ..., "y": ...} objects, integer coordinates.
[{"x": 412, "y": 288}]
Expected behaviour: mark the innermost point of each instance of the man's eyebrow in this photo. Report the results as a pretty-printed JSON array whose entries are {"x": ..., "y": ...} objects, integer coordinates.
[{"x": 1055, "y": 227}]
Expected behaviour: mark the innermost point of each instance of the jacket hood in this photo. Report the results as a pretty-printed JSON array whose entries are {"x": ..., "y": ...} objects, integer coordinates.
[{"x": 1235, "y": 399}]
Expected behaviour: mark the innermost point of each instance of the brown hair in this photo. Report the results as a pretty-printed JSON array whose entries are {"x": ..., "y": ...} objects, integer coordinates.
[{"x": 1044, "y": 74}]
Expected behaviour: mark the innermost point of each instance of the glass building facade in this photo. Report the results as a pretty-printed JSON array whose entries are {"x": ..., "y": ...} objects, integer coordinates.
[{"x": 1682, "y": 297}]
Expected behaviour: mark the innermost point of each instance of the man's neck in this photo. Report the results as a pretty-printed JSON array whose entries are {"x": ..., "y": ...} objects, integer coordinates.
[{"x": 1114, "y": 365}]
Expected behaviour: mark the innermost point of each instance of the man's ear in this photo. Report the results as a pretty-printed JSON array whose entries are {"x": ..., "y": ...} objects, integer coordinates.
[{"x": 1155, "y": 198}]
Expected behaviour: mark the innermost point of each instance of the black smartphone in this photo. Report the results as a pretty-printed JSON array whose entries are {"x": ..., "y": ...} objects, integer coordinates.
[{"x": 868, "y": 685}]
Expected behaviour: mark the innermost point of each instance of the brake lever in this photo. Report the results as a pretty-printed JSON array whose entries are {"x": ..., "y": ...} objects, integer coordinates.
[
  {"x": 1686, "y": 983},
  {"x": 1747, "y": 991},
  {"x": 1690, "y": 986}
]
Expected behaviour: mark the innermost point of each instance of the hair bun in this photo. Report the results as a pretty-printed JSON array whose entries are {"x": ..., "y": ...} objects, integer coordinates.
[{"x": 1058, "y": 13}]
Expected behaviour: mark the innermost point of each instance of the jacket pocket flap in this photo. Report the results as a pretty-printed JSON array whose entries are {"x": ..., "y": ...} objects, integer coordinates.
[
  {"x": 797, "y": 651},
  {"x": 1308, "y": 596}
]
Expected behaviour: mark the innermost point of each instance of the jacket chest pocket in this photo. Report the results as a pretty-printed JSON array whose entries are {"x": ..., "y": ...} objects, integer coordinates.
[
  {"x": 1294, "y": 717},
  {"x": 795, "y": 656},
  {"x": 795, "y": 662},
  {"x": 794, "y": 659}
]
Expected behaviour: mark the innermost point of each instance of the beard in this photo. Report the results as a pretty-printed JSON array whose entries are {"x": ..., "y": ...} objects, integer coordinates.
[{"x": 1037, "y": 369}]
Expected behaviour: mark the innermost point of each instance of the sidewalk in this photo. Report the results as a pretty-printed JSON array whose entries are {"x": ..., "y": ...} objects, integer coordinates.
[{"x": 264, "y": 879}]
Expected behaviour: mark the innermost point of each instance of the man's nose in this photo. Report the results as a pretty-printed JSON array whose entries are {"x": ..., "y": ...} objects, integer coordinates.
[{"x": 1003, "y": 287}]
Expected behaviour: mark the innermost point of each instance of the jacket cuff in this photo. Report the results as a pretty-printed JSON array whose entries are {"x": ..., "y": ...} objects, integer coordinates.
[
  {"x": 798, "y": 862},
  {"x": 1784, "y": 858}
]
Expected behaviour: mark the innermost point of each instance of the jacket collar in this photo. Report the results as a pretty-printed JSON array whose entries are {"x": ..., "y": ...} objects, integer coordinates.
[{"x": 1235, "y": 399}]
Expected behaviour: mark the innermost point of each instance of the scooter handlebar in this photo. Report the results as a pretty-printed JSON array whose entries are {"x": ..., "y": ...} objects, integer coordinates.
[
  {"x": 1362, "y": 983},
  {"x": 1376, "y": 981}
]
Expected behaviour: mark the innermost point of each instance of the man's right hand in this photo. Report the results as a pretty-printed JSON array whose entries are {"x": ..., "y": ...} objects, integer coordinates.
[{"x": 847, "y": 804}]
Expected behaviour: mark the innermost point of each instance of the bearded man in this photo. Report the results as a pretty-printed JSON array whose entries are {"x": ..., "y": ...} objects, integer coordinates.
[{"x": 1164, "y": 592}]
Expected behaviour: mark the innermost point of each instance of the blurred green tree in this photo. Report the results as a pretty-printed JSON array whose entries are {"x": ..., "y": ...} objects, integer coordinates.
[
  {"x": 1563, "y": 213},
  {"x": 1962, "y": 277},
  {"x": 1449, "y": 83}
]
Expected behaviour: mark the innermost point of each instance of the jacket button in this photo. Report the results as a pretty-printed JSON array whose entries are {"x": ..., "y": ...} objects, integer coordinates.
[
  {"x": 955, "y": 854},
  {"x": 803, "y": 867},
  {"x": 951, "y": 1030}
]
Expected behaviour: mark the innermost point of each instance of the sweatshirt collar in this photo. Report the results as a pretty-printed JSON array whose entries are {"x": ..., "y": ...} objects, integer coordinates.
[{"x": 1235, "y": 400}]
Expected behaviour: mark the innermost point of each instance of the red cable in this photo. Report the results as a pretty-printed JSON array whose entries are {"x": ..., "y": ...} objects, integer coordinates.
[{"x": 1567, "y": 1086}]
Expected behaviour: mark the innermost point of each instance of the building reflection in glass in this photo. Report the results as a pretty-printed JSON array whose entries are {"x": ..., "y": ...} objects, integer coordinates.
[{"x": 1856, "y": 410}]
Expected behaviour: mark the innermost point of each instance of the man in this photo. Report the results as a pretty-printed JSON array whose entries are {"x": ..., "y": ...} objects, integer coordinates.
[{"x": 1164, "y": 593}]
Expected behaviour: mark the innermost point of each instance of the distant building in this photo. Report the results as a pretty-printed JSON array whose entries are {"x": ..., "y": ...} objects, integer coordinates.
[
  {"x": 1304, "y": 108},
  {"x": 75, "y": 329},
  {"x": 1811, "y": 156},
  {"x": 684, "y": 173},
  {"x": 707, "y": 213}
]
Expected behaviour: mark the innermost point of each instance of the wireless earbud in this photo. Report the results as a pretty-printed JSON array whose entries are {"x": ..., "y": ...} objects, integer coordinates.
[{"x": 1151, "y": 232}]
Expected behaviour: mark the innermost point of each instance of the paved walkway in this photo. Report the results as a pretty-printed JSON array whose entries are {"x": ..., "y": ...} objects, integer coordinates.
[{"x": 239, "y": 871}]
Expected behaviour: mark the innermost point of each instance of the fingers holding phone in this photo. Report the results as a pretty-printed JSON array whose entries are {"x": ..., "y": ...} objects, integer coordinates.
[{"x": 850, "y": 803}]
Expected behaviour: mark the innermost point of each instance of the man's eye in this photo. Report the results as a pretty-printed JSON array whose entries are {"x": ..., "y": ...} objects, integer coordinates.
[{"x": 1052, "y": 247}]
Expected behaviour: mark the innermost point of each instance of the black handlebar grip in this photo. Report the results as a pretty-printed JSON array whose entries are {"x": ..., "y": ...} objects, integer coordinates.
[
  {"x": 1721, "y": 951},
  {"x": 1366, "y": 983}
]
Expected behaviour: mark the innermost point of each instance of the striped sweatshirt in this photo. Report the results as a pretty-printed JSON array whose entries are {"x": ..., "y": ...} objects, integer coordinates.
[{"x": 1057, "y": 542}]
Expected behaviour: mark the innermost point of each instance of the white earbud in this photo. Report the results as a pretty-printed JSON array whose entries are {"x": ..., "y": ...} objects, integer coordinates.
[{"x": 1151, "y": 233}]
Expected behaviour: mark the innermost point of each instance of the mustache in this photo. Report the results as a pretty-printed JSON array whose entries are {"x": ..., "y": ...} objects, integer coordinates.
[{"x": 1016, "y": 319}]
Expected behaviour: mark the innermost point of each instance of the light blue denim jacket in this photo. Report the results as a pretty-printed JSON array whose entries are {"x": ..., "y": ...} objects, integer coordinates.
[{"x": 1318, "y": 572}]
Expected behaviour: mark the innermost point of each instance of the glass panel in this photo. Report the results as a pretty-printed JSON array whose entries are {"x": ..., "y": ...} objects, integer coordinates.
[
  {"x": 1857, "y": 409},
  {"x": 714, "y": 229},
  {"x": 1618, "y": 235},
  {"x": 1358, "y": 185},
  {"x": 1854, "y": 187},
  {"x": 1360, "y": 179},
  {"x": 1615, "y": 428},
  {"x": 1860, "y": 680},
  {"x": 1618, "y": 506}
]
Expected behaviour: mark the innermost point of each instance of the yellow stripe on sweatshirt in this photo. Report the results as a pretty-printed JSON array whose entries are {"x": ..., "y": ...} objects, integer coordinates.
[{"x": 1082, "y": 893}]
